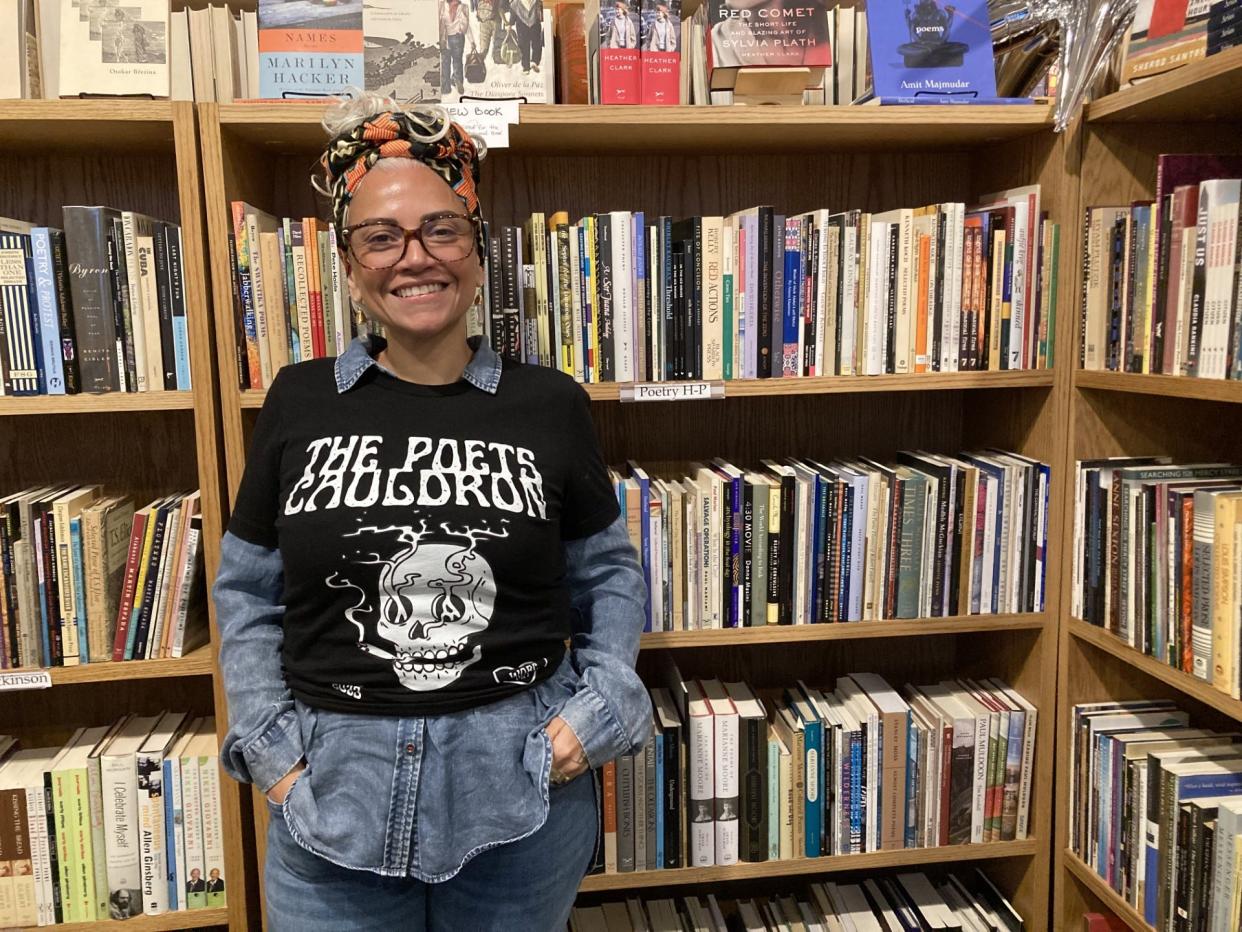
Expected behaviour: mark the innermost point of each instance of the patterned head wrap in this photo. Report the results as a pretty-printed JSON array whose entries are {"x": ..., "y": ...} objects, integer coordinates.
[{"x": 426, "y": 135}]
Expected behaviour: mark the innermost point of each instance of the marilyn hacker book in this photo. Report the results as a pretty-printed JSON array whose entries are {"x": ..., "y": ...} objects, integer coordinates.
[
  {"x": 927, "y": 48},
  {"x": 309, "y": 48}
]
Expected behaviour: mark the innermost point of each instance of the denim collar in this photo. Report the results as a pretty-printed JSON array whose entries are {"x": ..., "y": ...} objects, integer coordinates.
[{"x": 483, "y": 370}]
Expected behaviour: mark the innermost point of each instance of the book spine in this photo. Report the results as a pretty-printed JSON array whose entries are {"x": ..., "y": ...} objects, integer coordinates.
[
  {"x": 213, "y": 830},
  {"x": 725, "y": 793},
  {"x": 94, "y": 791},
  {"x": 192, "y": 809},
  {"x": 151, "y": 832},
  {"x": 94, "y": 310},
  {"x": 163, "y": 300},
  {"x": 1198, "y": 294},
  {"x": 177, "y": 300},
  {"x": 52, "y": 360},
  {"x": 625, "y": 813},
  {"x": 610, "y": 816}
]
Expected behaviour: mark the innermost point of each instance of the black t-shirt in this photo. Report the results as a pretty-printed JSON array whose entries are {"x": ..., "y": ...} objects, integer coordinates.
[{"x": 420, "y": 530}]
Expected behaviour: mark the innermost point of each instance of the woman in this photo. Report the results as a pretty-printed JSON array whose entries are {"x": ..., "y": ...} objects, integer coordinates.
[{"x": 420, "y": 527}]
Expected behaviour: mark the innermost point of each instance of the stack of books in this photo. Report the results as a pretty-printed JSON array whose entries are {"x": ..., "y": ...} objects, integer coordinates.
[
  {"x": 910, "y": 900},
  {"x": 1156, "y": 561},
  {"x": 803, "y": 542},
  {"x": 156, "y": 845},
  {"x": 86, "y": 578},
  {"x": 118, "y": 323},
  {"x": 1156, "y": 810},
  {"x": 1161, "y": 286},
  {"x": 735, "y": 774}
]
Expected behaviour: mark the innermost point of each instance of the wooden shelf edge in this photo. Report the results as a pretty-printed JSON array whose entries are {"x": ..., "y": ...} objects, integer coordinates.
[
  {"x": 166, "y": 922},
  {"x": 1182, "y": 682},
  {"x": 1158, "y": 97},
  {"x": 113, "y": 110},
  {"x": 821, "y": 385},
  {"x": 97, "y": 404},
  {"x": 1167, "y": 385},
  {"x": 197, "y": 662},
  {"x": 843, "y": 631},
  {"x": 912, "y": 857},
  {"x": 1093, "y": 882}
]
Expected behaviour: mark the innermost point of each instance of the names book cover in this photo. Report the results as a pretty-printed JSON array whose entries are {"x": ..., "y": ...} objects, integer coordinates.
[
  {"x": 309, "y": 48},
  {"x": 931, "y": 49}
]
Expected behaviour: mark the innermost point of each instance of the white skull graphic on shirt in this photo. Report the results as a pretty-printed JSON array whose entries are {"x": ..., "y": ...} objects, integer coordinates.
[{"x": 435, "y": 597}]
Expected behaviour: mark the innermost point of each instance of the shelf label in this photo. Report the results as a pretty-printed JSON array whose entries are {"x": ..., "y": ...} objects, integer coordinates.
[
  {"x": 672, "y": 391},
  {"x": 25, "y": 679},
  {"x": 487, "y": 119}
]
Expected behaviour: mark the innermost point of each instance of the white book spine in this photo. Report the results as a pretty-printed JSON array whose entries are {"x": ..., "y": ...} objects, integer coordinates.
[
  {"x": 987, "y": 580},
  {"x": 1017, "y": 313},
  {"x": 725, "y": 792},
  {"x": 575, "y": 279},
  {"x": 150, "y": 307},
  {"x": 176, "y": 857},
  {"x": 702, "y": 821},
  {"x": 847, "y": 319},
  {"x": 40, "y": 852},
  {"x": 151, "y": 845},
  {"x": 623, "y": 295},
  {"x": 978, "y": 801},
  {"x": 136, "y": 297},
  {"x": 119, "y": 776},
  {"x": 187, "y": 584},
  {"x": 1028, "y": 775}
]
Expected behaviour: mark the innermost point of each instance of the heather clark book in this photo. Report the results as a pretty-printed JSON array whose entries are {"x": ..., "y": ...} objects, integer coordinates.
[
  {"x": 309, "y": 48},
  {"x": 926, "y": 49}
]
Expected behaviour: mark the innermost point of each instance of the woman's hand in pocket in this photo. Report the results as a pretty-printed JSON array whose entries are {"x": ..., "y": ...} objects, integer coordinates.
[
  {"x": 280, "y": 789},
  {"x": 568, "y": 758}
]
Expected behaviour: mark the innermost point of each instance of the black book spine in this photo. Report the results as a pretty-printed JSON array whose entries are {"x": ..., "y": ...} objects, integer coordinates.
[
  {"x": 754, "y": 789},
  {"x": 958, "y": 519},
  {"x": 8, "y": 591},
  {"x": 177, "y": 302},
  {"x": 776, "y": 543},
  {"x": 1116, "y": 291},
  {"x": 748, "y": 550},
  {"x": 511, "y": 299},
  {"x": 1199, "y": 286},
  {"x": 51, "y": 586},
  {"x": 676, "y": 334},
  {"x": 937, "y": 350},
  {"x": 897, "y": 504},
  {"x": 694, "y": 293},
  {"x": 239, "y": 327},
  {"x": 890, "y": 310},
  {"x": 87, "y": 231},
  {"x": 163, "y": 288},
  {"x": 942, "y": 543},
  {"x": 787, "y": 555},
  {"x": 727, "y": 617},
  {"x": 1182, "y": 870},
  {"x": 495, "y": 319},
  {"x": 671, "y": 365},
  {"x": 672, "y": 797},
  {"x": 64, "y": 310},
  {"x": 1201, "y": 894},
  {"x": 1133, "y": 356},
  {"x": 121, "y": 301},
  {"x": 1159, "y": 301},
  {"x": 49, "y": 807},
  {"x": 763, "y": 340},
  {"x": 607, "y": 337},
  {"x": 821, "y": 549}
]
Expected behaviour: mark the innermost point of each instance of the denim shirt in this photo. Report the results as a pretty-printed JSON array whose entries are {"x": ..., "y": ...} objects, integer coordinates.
[{"x": 420, "y": 796}]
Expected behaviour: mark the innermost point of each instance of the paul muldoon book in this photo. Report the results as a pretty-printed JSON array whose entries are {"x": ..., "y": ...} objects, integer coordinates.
[
  {"x": 931, "y": 49},
  {"x": 766, "y": 34}
]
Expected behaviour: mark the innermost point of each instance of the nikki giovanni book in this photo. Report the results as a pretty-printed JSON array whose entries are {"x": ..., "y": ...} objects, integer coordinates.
[
  {"x": 765, "y": 34},
  {"x": 309, "y": 48},
  {"x": 926, "y": 49}
]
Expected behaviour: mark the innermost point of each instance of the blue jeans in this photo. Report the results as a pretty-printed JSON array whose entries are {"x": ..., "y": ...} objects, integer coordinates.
[
  {"x": 527, "y": 885},
  {"x": 451, "y": 66}
]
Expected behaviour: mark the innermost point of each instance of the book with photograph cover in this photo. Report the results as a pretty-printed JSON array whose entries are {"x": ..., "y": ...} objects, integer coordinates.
[
  {"x": 401, "y": 48},
  {"x": 507, "y": 53},
  {"x": 757, "y": 34},
  {"x": 112, "y": 49},
  {"x": 660, "y": 52},
  {"x": 309, "y": 48}
]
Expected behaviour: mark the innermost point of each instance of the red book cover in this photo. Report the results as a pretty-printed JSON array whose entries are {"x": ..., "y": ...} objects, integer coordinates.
[
  {"x": 1167, "y": 17},
  {"x": 1101, "y": 922},
  {"x": 660, "y": 56},
  {"x": 619, "y": 81},
  {"x": 124, "y": 610},
  {"x": 314, "y": 286}
]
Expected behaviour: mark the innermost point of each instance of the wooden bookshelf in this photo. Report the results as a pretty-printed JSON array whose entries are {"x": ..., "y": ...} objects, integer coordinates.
[
  {"x": 877, "y": 860},
  {"x": 563, "y": 158},
  {"x": 168, "y": 922},
  {"x": 1206, "y": 89},
  {"x": 1168, "y": 386},
  {"x": 577, "y": 130},
  {"x": 849, "y": 631},
  {"x": 144, "y": 156},
  {"x": 1193, "y": 109}
]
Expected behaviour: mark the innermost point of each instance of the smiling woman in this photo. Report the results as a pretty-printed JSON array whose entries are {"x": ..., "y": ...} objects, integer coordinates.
[{"x": 421, "y": 527}]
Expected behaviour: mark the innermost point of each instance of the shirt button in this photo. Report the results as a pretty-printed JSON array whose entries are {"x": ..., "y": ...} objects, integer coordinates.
[{"x": 409, "y": 749}]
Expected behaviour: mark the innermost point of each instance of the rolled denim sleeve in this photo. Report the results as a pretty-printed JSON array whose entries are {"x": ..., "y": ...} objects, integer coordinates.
[
  {"x": 610, "y": 714},
  {"x": 264, "y": 741}
]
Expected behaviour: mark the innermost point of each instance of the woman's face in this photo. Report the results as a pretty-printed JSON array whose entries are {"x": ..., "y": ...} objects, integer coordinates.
[{"x": 420, "y": 296}]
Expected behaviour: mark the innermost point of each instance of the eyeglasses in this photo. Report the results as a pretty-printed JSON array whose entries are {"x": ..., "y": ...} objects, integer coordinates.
[{"x": 380, "y": 244}]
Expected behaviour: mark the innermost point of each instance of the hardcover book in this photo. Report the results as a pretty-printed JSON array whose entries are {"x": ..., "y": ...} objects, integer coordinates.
[
  {"x": 745, "y": 34},
  {"x": 927, "y": 49},
  {"x": 613, "y": 51},
  {"x": 309, "y": 49},
  {"x": 401, "y": 47},
  {"x": 660, "y": 54},
  {"x": 1166, "y": 34},
  {"x": 508, "y": 56},
  {"x": 107, "y": 48}
]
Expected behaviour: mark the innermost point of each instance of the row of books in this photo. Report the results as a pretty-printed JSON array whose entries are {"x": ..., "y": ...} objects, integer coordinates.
[
  {"x": 736, "y": 774},
  {"x": 84, "y": 577},
  {"x": 802, "y": 542},
  {"x": 1170, "y": 34},
  {"x": 882, "y": 903},
  {"x": 290, "y": 294},
  {"x": 1157, "y": 562},
  {"x": 1156, "y": 811},
  {"x": 1162, "y": 278},
  {"x": 623, "y": 297},
  {"x": 117, "y": 323},
  {"x": 122, "y": 820}
]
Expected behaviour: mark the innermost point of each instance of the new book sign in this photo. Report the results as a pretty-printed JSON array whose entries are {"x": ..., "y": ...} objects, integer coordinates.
[{"x": 928, "y": 49}]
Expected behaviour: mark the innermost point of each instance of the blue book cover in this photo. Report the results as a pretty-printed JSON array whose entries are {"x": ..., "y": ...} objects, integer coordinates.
[
  {"x": 53, "y": 368},
  {"x": 172, "y": 815},
  {"x": 813, "y": 744},
  {"x": 847, "y": 553},
  {"x": 77, "y": 561},
  {"x": 941, "y": 100},
  {"x": 932, "y": 49},
  {"x": 735, "y": 551},
  {"x": 640, "y": 288},
  {"x": 316, "y": 50}
]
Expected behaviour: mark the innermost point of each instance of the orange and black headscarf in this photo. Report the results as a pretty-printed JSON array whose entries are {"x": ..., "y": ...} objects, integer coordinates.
[{"x": 426, "y": 135}]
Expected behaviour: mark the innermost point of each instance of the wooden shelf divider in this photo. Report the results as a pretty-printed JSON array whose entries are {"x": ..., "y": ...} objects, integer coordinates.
[
  {"x": 799, "y": 867},
  {"x": 1095, "y": 883}
]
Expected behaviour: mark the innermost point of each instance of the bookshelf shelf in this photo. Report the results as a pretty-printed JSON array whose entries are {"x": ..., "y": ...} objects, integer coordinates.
[
  {"x": 1106, "y": 894},
  {"x": 1203, "y": 90},
  {"x": 913, "y": 857},
  {"x": 96, "y": 404},
  {"x": 199, "y": 662},
  {"x": 87, "y": 124},
  {"x": 1169, "y": 386},
  {"x": 566, "y": 129},
  {"x": 827, "y": 385},
  {"x": 791, "y": 634},
  {"x": 1183, "y": 682},
  {"x": 182, "y": 919}
]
